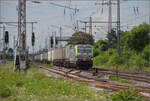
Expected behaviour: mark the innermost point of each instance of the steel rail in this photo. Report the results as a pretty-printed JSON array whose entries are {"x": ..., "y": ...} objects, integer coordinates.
[
  {"x": 97, "y": 82},
  {"x": 124, "y": 75}
]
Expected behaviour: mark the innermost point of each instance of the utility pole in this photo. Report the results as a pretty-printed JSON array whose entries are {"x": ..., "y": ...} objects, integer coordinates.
[
  {"x": 22, "y": 32},
  {"x": 4, "y": 47},
  {"x": 109, "y": 4},
  {"x": 77, "y": 25},
  {"x": 32, "y": 26},
  {"x": 85, "y": 26},
  {"x": 59, "y": 31},
  {"x": 149, "y": 13},
  {"x": 0, "y": 27},
  {"x": 118, "y": 28},
  {"x": 45, "y": 43},
  {"x": 40, "y": 48},
  {"x": 110, "y": 17},
  {"x": 54, "y": 40},
  {"x": 90, "y": 26},
  {"x": 4, "y": 37},
  {"x": 49, "y": 42},
  {"x": 60, "y": 35},
  {"x": 0, "y": 40},
  {"x": 14, "y": 42},
  {"x": 149, "y": 21},
  {"x": 34, "y": 38}
]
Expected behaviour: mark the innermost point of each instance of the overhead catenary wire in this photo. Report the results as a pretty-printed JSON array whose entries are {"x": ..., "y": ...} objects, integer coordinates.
[
  {"x": 65, "y": 7},
  {"x": 138, "y": 17},
  {"x": 73, "y": 0}
]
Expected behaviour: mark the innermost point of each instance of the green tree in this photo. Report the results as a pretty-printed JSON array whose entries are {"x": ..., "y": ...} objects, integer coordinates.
[
  {"x": 100, "y": 45},
  {"x": 146, "y": 53},
  {"x": 137, "y": 38},
  {"x": 112, "y": 39},
  {"x": 81, "y": 38}
]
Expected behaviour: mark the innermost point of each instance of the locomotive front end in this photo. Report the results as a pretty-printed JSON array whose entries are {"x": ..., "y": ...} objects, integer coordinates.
[{"x": 84, "y": 54}]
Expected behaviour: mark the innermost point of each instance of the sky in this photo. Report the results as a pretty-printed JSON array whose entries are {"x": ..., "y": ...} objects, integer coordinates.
[{"x": 48, "y": 15}]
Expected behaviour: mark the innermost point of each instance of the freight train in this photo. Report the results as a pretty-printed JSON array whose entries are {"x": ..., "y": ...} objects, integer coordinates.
[{"x": 76, "y": 56}]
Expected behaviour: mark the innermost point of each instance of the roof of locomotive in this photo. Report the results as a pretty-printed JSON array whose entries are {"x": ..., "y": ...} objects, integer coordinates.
[{"x": 79, "y": 45}]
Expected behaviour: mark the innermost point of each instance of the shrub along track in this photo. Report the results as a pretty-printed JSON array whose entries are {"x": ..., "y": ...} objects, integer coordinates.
[
  {"x": 141, "y": 77},
  {"x": 92, "y": 80}
]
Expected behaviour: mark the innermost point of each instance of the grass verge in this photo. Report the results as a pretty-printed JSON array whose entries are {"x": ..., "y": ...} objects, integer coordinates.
[{"x": 37, "y": 87}]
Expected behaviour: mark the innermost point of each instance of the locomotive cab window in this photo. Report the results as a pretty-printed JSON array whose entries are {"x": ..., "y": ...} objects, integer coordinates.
[
  {"x": 88, "y": 50},
  {"x": 81, "y": 50}
]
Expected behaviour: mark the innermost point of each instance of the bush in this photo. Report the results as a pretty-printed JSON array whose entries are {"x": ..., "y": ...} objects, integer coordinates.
[
  {"x": 146, "y": 53},
  {"x": 4, "y": 90},
  {"x": 137, "y": 62},
  {"x": 126, "y": 55},
  {"x": 102, "y": 59},
  {"x": 96, "y": 52},
  {"x": 115, "y": 59},
  {"x": 127, "y": 95}
]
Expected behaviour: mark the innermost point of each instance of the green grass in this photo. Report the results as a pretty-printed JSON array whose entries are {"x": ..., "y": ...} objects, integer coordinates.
[
  {"x": 127, "y": 95},
  {"x": 121, "y": 80},
  {"x": 37, "y": 87}
]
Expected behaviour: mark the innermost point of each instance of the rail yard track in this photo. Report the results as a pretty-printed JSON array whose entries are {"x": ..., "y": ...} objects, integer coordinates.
[
  {"x": 126, "y": 72},
  {"x": 141, "y": 77},
  {"x": 82, "y": 76}
]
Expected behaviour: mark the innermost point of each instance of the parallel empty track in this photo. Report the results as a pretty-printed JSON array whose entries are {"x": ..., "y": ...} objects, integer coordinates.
[
  {"x": 91, "y": 80},
  {"x": 141, "y": 77}
]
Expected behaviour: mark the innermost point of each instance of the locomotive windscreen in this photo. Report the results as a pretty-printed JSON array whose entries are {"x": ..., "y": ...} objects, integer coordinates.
[{"x": 84, "y": 51}]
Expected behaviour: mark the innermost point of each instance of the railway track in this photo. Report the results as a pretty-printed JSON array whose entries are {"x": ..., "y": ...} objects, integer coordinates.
[
  {"x": 91, "y": 80},
  {"x": 125, "y": 75},
  {"x": 126, "y": 72}
]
